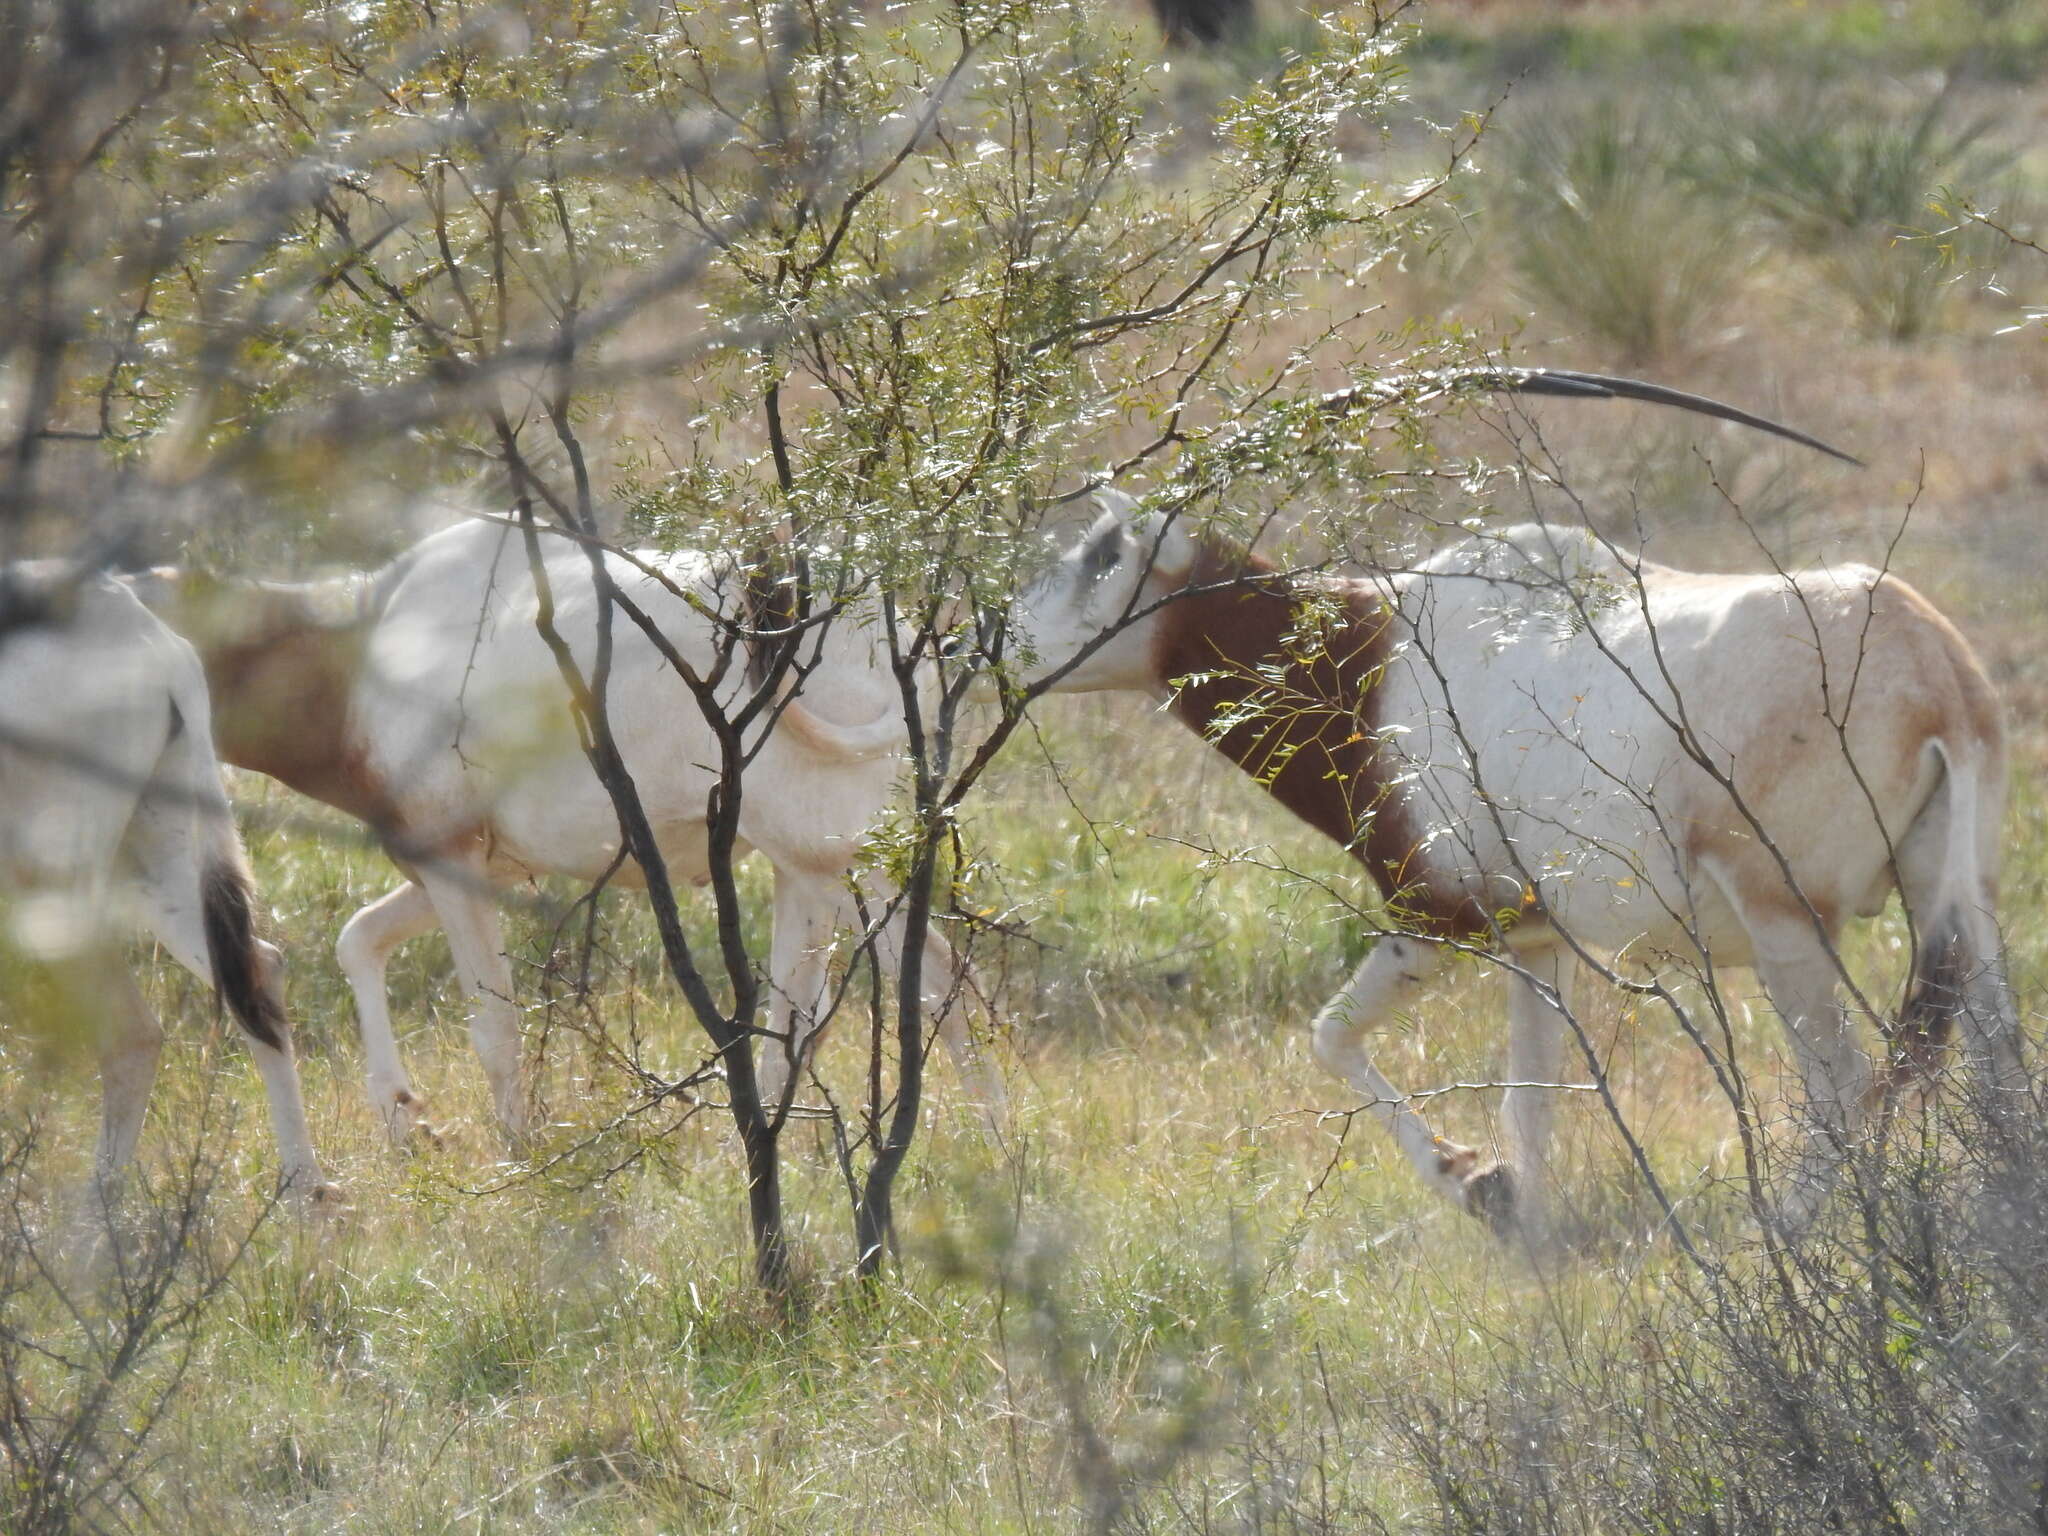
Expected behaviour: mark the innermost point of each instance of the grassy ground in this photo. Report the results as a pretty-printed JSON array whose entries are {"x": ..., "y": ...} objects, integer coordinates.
[
  {"x": 1171, "y": 1256},
  {"x": 1174, "y": 1295}
]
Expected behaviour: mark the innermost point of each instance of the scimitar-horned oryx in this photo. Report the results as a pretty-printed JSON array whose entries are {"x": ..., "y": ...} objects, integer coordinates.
[
  {"x": 112, "y": 816},
  {"x": 1539, "y": 746},
  {"x": 424, "y": 701}
]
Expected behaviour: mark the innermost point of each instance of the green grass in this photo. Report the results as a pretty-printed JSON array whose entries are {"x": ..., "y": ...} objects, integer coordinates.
[
  {"x": 1995, "y": 41},
  {"x": 1133, "y": 1298}
]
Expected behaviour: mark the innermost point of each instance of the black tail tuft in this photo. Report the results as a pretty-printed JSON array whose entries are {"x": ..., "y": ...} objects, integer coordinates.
[
  {"x": 228, "y": 911},
  {"x": 1933, "y": 998}
]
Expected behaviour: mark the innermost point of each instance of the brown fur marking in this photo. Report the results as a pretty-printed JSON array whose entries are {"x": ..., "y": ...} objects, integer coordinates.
[
  {"x": 1297, "y": 710},
  {"x": 282, "y": 677}
]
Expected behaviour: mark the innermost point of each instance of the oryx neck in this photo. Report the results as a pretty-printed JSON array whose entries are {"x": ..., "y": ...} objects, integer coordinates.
[
  {"x": 1283, "y": 677},
  {"x": 282, "y": 663}
]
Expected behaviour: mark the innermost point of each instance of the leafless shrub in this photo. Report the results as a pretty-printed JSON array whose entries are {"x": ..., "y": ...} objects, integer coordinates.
[
  {"x": 1887, "y": 1372},
  {"x": 100, "y": 1317}
]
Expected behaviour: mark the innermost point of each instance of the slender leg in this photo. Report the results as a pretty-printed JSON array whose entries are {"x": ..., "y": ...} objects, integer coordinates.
[
  {"x": 180, "y": 929},
  {"x": 131, "y": 1041},
  {"x": 280, "y": 1073},
  {"x": 462, "y": 899},
  {"x": 1386, "y": 982},
  {"x": 1515, "y": 1194},
  {"x": 173, "y": 847},
  {"x": 948, "y": 986},
  {"x": 368, "y": 941},
  {"x": 1990, "y": 1017},
  {"x": 807, "y": 911},
  {"x": 1801, "y": 974},
  {"x": 947, "y": 990}
]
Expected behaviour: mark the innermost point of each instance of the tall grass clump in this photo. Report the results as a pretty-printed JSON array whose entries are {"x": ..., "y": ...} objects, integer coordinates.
[
  {"x": 1847, "y": 181},
  {"x": 1976, "y": 40},
  {"x": 1604, "y": 235},
  {"x": 1886, "y": 1372}
]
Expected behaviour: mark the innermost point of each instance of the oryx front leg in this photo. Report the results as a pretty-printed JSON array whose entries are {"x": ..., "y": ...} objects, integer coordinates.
[
  {"x": 364, "y": 951},
  {"x": 1387, "y": 982},
  {"x": 1514, "y": 1195},
  {"x": 463, "y": 900}
]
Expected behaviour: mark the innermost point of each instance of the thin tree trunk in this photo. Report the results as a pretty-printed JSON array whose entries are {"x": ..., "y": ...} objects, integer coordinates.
[{"x": 874, "y": 1218}]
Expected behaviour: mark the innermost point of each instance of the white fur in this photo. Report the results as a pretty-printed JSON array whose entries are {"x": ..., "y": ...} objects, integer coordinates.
[
  {"x": 463, "y": 718},
  {"x": 111, "y": 815},
  {"x": 1638, "y": 760}
]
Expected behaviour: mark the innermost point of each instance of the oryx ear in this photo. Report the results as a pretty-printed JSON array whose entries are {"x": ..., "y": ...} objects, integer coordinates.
[
  {"x": 1102, "y": 550},
  {"x": 1115, "y": 502}
]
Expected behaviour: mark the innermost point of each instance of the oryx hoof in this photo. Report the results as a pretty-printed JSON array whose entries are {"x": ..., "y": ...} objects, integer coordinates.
[
  {"x": 316, "y": 1201},
  {"x": 521, "y": 1144},
  {"x": 407, "y": 1124}
]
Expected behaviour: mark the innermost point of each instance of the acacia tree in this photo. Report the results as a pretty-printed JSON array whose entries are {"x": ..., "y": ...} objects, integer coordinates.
[
  {"x": 884, "y": 289},
  {"x": 1004, "y": 289}
]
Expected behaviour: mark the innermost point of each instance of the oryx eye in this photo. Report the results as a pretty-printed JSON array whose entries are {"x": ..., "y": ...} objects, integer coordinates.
[{"x": 1103, "y": 555}]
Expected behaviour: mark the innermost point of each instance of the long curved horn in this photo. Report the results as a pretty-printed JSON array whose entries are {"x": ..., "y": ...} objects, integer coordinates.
[{"x": 1566, "y": 382}]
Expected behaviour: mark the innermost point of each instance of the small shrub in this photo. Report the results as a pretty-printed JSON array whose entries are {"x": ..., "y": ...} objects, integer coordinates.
[
  {"x": 1605, "y": 236},
  {"x": 1886, "y": 1372},
  {"x": 1847, "y": 180}
]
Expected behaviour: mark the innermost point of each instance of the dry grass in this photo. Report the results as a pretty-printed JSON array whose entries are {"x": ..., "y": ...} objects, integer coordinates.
[
  {"x": 1176, "y": 1296},
  {"x": 1142, "y": 1256}
]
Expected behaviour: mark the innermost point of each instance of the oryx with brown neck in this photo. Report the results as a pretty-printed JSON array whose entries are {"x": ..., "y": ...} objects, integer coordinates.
[
  {"x": 1545, "y": 749},
  {"x": 424, "y": 700}
]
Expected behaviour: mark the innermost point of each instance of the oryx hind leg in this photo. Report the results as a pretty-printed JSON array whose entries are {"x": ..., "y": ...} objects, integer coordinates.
[
  {"x": 131, "y": 1044},
  {"x": 1948, "y": 878},
  {"x": 1801, "y": 969},
  {"x": 949, "y": 992},
  {"x": 192, "y": 887}
]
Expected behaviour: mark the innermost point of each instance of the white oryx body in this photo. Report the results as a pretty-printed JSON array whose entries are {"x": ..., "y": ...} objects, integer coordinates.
[
  {"x": 426, "y": 701},
  {"x": 1572, "y": 725},
  {"x": 1539, "y": 747},
  {"x": 112, "y": 817}
]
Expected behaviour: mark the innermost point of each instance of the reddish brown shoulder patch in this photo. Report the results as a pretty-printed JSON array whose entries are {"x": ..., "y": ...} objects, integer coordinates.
[
  {"x": 282, "y": 686},
  {"x": 1289, "y": 695}
]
